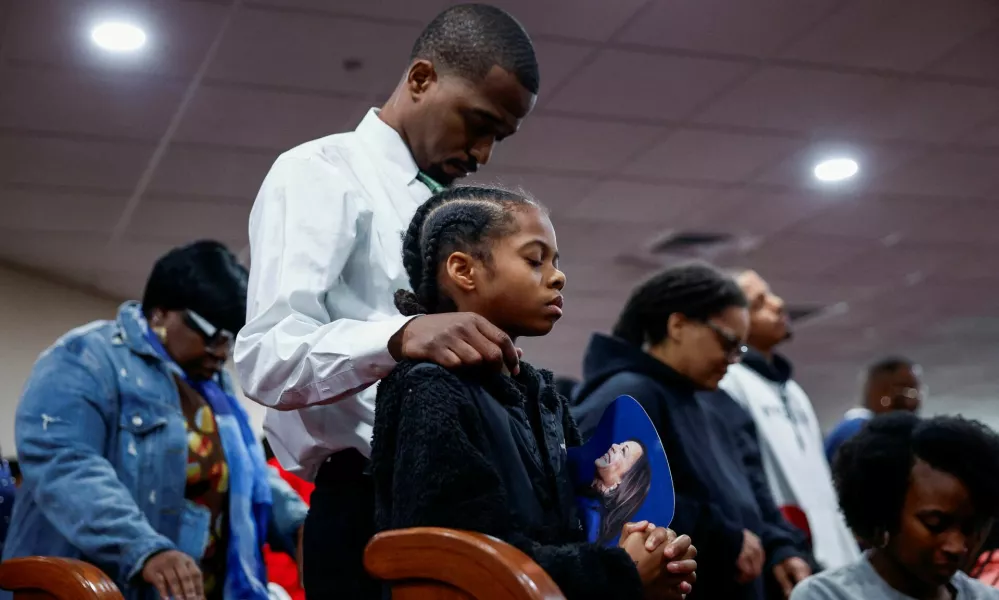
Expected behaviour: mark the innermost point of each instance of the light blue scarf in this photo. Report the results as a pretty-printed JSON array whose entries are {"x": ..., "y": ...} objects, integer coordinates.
[{"x": 249, "y": 488}]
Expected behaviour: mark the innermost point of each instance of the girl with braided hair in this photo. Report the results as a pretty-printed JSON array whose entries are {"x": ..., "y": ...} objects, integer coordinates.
[
  {"x": 672, "y": 344},
  {"x": 477, "y": 449}
]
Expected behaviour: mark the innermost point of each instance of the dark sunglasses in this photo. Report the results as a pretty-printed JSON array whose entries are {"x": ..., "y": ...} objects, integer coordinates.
[
  {"x": 214, "y": 337},
  {"x": 731, "y": 344}
]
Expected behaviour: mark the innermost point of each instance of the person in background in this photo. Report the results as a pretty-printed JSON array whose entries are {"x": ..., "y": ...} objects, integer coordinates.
[
  {"x": 923, "y": 495},
  {"x": 136, "y": 455},
  {"x": 284, "y": 568},
  {"x": 675, "y": 338},
  {"x": 481, "y": 450},
  {"x": 891, "y": 384},
  {"x": 8, "y": 486},
  {"x": 790, "y": 440},
  {"x": 325, "y": 246}
]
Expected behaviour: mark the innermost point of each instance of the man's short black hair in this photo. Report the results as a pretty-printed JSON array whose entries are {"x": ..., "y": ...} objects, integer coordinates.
[
  {"x": 468, "y": 39},
  {"x": 888, "y": 365},
  {"x": 204, "y": 277},
  {"x": 872, "y": 470}
]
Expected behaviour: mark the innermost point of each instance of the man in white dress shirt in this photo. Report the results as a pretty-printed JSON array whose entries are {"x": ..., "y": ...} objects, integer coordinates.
[{"x": 326, "y": 257}]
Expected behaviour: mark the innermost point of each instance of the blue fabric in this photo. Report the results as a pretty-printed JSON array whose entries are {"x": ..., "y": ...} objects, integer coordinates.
[
  {"x": 7, "y": 489},
  {"x": 844, "y": 430},
  {"x": 249, "y": 486}
]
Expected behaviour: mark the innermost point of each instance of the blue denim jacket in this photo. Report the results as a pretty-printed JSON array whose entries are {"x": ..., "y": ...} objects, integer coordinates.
[{"x": 103, "y": 450}]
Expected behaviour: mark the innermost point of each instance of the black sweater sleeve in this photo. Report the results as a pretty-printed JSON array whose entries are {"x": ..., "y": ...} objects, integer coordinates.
[
  {"x": 780, "y": 540},
  {"x": 432, "y": 467}
]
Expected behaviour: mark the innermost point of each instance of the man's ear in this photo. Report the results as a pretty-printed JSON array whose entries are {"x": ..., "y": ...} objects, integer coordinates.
[
  {"x": 462, "y": 269},
  {"x": 420, "y": 77}
]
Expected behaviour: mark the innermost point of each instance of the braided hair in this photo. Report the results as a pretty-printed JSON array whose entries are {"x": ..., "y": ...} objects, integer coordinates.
[
  {"x": 696, "y": 290},
  {"x": 456, "y": 219}
]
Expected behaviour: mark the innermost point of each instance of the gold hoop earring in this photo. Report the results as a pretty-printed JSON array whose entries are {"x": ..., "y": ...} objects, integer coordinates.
[{"x": 161, "y": 333}]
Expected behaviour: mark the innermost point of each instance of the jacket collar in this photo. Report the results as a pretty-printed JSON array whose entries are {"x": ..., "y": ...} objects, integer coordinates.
[
  {"x": 778, "y": 370},
  {"x": 529, "y": 383},
  {"x": 132, "y": 329},
  {"x": 386, "y": 147}
]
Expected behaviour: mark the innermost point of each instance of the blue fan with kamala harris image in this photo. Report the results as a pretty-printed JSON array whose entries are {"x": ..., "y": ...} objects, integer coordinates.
[{"x": 621, "y": 474}]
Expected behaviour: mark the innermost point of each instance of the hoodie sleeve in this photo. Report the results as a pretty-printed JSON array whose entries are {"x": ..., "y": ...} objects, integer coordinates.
[
  {"x": 441, "y": 474},
  {"x": 780, "y": 540}
]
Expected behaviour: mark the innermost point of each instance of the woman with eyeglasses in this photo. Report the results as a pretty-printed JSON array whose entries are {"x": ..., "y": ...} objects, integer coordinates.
[
  {"x": 673, "y": 342},
  {"x": 135, "y": 452}
]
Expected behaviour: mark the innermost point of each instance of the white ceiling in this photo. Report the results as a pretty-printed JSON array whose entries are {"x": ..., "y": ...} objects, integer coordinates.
[{"x": 655, "y": 116}]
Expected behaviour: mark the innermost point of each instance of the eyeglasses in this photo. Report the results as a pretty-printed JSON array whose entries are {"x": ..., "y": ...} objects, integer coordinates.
[
  {"x": 215, "y": 338},
  {"x": 731, "y": 343}
]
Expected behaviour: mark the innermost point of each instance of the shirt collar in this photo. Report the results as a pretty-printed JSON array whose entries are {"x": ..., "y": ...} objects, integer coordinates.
[{"x": 387, "y": 146}]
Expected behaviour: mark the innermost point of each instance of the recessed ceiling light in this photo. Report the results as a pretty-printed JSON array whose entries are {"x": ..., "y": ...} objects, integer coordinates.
[
  {"x": 117, "y": 36},
  {"x": 836, "y": 169}
]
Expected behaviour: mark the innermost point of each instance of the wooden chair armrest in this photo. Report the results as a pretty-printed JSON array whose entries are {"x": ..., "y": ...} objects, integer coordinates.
[
  {"x": 483, "y": 567},
  {"x": 59, "y": 578}
]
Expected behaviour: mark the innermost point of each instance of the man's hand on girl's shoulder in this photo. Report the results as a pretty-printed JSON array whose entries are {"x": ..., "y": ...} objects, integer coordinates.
[{"x": 453, "y": 340}]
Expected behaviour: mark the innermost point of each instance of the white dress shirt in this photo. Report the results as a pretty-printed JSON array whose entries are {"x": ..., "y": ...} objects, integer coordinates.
[{"x": 325, "y": 260}]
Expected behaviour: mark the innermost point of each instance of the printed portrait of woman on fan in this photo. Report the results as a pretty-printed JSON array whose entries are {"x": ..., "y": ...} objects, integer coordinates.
[
  {"x": 483, "y": 450},
  {"x": 135, "y": 452},
  {"x": 621, "y": 482}
]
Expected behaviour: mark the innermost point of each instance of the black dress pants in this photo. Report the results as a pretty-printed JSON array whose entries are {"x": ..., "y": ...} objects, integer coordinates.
[{"x": 339, "y": 525}]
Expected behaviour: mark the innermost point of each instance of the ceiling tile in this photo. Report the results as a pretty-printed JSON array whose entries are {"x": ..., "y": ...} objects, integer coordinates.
[
  {"x": 975, "y": 57},
  {"x": 73, "y": 255},
  {"x": 944, "y": 173},
  {"x": 583, "y": 19},
  {"x": 556, "y": 63},
  {"x": 103, "y": 104},
  {"x": 572, "y": 144},
  {"x": 748, "y": 28},
  {"x": 560, "y": 195},
  {"x": 987, "y": 135},
  {"x": 628, "y": 202},
  {"x": 895, "y": 266},
  {"x": 635, "y": 84},
  {"x": 265, "y": 119},
  {"x": 208, "y": 171},
  {"x": 690, "y": 154},
  {"x": 751, "y": 214},
  {"x": 306, "y": 52},
  {"x": 58, "y": 32},
  {"x": 47, "y": 211},
  {"x": 181, "y": 222},
  {"x": 872, "y": 217},
  {"x": 795, "y": 255},
  {"x": 415, "y": 10},
  {"x": 48, "y": 161},
  {"x": 893, "y": 34},
  {"x": 934, "y": 112},
  {"x": 966, "y": 223},
  {"x": 796, "y": 99}
]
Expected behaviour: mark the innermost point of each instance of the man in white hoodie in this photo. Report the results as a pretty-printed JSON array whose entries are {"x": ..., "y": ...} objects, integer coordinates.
[{"x": 790, "y": 438}]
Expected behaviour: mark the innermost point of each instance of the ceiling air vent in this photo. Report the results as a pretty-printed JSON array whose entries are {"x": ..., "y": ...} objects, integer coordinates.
[{"x": 689, "y": 242}]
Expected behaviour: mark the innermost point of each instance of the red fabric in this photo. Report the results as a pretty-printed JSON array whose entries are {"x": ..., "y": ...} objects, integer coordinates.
[
  {"x": 988, "y": 569},
  {"x": 797, "y": 517},
  {"x": 281, "y": 568}
]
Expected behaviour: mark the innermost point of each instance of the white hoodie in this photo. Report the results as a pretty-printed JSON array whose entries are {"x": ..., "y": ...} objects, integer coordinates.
[{"x": 793, "y": 454}]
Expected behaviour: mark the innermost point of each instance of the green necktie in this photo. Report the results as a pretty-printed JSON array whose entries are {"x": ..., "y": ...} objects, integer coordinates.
[{"x": 427, "y": 180}]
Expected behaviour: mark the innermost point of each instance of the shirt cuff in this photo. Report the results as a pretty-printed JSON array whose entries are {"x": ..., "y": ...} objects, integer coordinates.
[{"x": 374, "y": 359}]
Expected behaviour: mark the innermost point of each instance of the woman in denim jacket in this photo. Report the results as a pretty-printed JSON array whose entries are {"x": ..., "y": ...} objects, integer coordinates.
[{"x": 136, "y": 455}]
